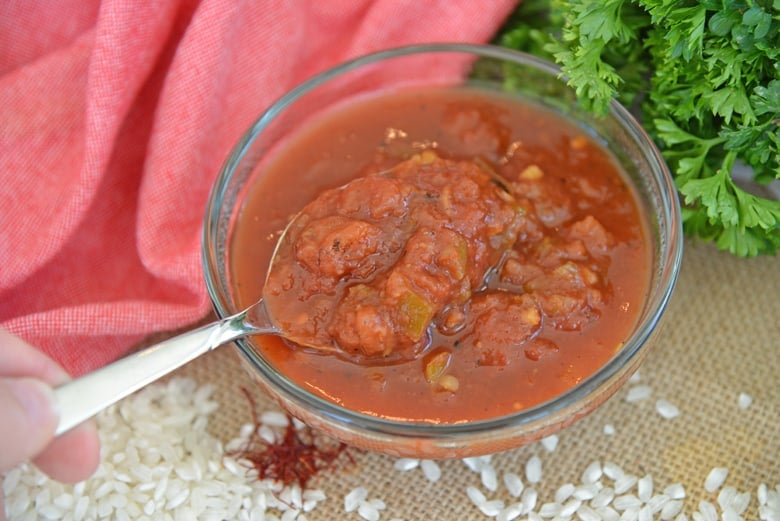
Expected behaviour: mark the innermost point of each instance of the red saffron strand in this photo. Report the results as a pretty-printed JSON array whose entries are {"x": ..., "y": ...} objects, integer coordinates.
[{"x": 296, "y": 458}]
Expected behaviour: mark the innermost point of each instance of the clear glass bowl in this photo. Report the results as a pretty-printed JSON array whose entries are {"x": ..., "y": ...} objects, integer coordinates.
[{"x": 506, "y": 71}]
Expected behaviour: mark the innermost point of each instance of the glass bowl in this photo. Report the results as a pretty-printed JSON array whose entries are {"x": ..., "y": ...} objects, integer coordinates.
[{"x": 482, "y": 67}]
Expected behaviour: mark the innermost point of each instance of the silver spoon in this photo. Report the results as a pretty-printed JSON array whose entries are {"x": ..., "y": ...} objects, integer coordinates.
[{"x": 82, "y": 398}]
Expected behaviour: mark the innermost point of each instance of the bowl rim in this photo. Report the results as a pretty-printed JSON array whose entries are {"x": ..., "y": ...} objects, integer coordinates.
[{"x": 671, "y": 235}]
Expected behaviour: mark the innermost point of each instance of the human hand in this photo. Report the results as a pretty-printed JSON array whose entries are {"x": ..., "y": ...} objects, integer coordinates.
[{"x": 28, "y": 417}]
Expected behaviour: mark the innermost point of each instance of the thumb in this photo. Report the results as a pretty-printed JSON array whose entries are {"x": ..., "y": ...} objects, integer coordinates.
[{"x": 28, "y": 419}]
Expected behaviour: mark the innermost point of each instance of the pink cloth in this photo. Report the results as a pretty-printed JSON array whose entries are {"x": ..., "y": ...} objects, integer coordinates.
[{"x": 115, "y": 119}]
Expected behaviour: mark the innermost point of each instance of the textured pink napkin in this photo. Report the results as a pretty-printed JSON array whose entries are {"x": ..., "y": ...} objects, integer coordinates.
[{"x": 115, "y": 118}]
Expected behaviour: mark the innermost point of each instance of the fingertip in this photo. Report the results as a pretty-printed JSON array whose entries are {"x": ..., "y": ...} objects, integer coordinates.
[
  {"x": 73, "y": 456},
  {"x": 28, "y": 417}
]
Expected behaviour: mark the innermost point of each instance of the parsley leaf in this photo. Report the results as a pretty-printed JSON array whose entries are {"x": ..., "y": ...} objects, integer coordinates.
[{"x": 702, "y": 76}]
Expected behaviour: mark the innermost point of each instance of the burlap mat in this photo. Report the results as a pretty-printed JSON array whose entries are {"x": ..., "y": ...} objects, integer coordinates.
[{"x": 722, "y": 337}]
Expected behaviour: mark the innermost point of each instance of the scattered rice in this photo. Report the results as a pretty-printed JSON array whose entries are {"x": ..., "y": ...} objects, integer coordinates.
[
  {"x": 666, "y": 409},
  {"x": 645, "y": 488},
  {"x": 405, "y": 464},
  {"x": 476, "y": 496},
  {"x": 671, "y": 509},
  {"x": 511, "y": 512},
  {"x": 564, "y": 492},
  {"x": 675, "y": 491},
  {"x": 274, "y": 419},
  {"x": 707, "y": 511},
  {"x": 638, "y": 393},
  {"x": 514, "y": 484},
  {"x": 592, "y": 473},
  {"x": 533, "y": 469},
  {"x": 550, "y": 510},
  {"x": 529, "y": 498},
  {"x": 431, "y": 470},
  {"x": 715, "y": 479},
  {"x": 550, "y": 443},
  {"x": 354, "y": 498},
  {"x": 744, "y": 401},
  {"x": 625, "y": 483},
  {"x": 489, "y": 478},
  {"x": 369, "y": 509},
  {"x": 159, "y": 458},
  {"x": 612, "y": 471},
  {"x": 152, "y": 466},
  {"x": 476, "y": 464},
  {"x": 492, "y": 508},
  {"x": 768, "y": 502}
]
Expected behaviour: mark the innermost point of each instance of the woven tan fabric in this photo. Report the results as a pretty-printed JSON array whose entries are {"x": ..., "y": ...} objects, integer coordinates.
[{"x": 721, "y": 337}]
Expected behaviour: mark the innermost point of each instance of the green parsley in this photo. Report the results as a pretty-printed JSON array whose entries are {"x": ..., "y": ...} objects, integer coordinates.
[{"x": 703, "y": 77}]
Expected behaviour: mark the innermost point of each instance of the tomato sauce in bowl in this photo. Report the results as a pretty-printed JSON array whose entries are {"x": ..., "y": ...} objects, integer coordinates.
[{"x": 521, "y": 272}]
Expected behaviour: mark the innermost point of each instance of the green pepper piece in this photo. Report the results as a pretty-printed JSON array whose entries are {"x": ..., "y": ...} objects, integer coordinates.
[
  {"x": 436, "y": 365},
  {"x": 417, "y": 314}
]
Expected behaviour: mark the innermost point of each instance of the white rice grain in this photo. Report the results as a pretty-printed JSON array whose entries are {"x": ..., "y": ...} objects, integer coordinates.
[
  {"x": 740, "y": 502},
  {"x": 588, "y": 491},
  {"x": 630, "y": 514},
  {"x": 667, "y": 409},
  {"x": 645, "y": 488},
  {"x": 529, "y": 497},
  {"x": 729, "y": 514},
  {"x": 569, "y": 508},
  {"x": 533, "y": 469},
  {"x": 492, "y": 508},
  {"x": 564, "y": 492},
  {"x": 671, "y": 509},
  {"x": 657, "y": 502},
  {"x": 608, "y": 514},
  {"x": 510, "y": 513},
  {"x": 744, "y": 401},
  {"x": 675, "y": 491},
  {"x": 592, "y": 472},
  {"x": 476, "y": 463},
  {"x": 609, "y": 429},
  {"x": 354, "y": 498},
  {"x": 274, "y": 419},
  {"x": 715, "y": 479},
  {"x": 638, "y": 393},
  {"x": 625, "y": 483},
  {"x": 603, "y": 497},
  {"x": 586, "y": 513},
  {"x": 406, "y": 464},
  {"x": 476, "y": 496},
  {"x": 627, "y": 501},
  {"x": 708, "y": 511},
  {"x": 550, "y": 443},
  {"x": 513, "y": 483},
  {"x": 489, "y": 478},
  {"x": 612, "y": 471},
  {"x": 550, "y": 510},
  {"x": 431, "y": 470},
  {"x": 726, "y": 496}
]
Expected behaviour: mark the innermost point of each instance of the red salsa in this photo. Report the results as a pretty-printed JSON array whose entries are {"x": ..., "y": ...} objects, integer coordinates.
[{"x": 485, "y": 256}]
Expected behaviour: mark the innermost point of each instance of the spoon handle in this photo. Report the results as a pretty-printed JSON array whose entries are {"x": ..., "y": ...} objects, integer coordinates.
[{"x": 83, "y": 397}]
